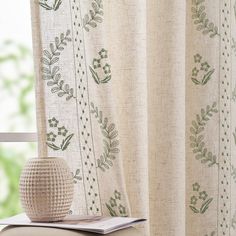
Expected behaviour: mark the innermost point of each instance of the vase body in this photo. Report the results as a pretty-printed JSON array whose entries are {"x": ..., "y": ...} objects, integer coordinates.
[{"x": 46, "y": 189}]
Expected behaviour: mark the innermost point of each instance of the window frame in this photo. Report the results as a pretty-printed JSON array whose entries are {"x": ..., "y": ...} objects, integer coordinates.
[{"x": 11, "y": 137}]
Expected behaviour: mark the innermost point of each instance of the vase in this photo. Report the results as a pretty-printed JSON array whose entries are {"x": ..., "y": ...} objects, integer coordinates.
[{"x": 46, "y": 189}]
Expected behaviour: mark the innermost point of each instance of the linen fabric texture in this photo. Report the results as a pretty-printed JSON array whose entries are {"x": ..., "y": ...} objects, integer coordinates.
[{"x": 139, "y": 97}]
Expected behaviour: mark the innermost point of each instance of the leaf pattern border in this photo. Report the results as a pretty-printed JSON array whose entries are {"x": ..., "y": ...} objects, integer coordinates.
[
  {"x": 197, "y": 138},
  {"x": 111, "y": 144},
  {"x": 50, "y": 71},
  {"x": 200, "y": 19},
  {"x": 94, "y": 16}
]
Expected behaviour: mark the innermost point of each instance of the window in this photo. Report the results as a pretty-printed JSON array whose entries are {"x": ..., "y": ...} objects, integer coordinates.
[{"x": 17, "y": 101}]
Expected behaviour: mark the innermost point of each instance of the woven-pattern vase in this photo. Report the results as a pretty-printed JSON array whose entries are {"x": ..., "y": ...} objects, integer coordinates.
[{"x": 46, "y": 189}]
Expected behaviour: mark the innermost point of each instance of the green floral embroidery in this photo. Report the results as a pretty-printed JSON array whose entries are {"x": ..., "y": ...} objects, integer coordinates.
[
  {"x": 107, "y": 69},
  {"x": 50, "y": 71},
  {"x": 194, "y": 200},
  {"x": 76, "y": 176},
  {"x": 203, "y": 195},
  {"x": 200, "y": 19},
  {"x": 195, "y": 71},
  {"x": 213, "y": 233},
  {"x": 96, "y": 63},
  {"x": 197, "y": 58},
  {"x": 197, "y": 136},
  {"x": 62, "y": 131},
  {"x": 110, "y": 148},
  {"x": 199, "y": 202},
  {"x": 100, "y": 66},
  {"x": 117, "y": 195},
  {"x": 115, "y": 205},
  {"x": 94, "y": 16},
  {"x": 201, "y": 73},
  {"x": 196, "y": 187},
  {"x": 53, "y": 122},
  {"x": 51, "y": 137},
  {"x": 55, "y": 6},
  {"x": 58, "y": 132},
  {"x": 103, "y": 53}
]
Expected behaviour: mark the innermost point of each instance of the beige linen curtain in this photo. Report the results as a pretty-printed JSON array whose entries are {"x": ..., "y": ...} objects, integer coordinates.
[{"x": 139, "y": 97}]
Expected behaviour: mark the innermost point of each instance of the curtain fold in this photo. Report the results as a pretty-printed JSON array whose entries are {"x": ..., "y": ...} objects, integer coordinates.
[
  {"x": 166, "y": 77},
  {"x": 139, "y": 98}
]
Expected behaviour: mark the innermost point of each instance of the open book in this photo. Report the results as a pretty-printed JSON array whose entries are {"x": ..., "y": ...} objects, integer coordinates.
[{"x": 95, "y": 224}]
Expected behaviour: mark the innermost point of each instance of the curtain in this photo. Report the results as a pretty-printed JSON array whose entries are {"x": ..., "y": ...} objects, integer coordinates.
[{"x": 139, "y": 97}]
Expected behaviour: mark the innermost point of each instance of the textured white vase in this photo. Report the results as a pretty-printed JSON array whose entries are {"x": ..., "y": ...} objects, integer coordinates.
[{"x": 46, "y": 189}]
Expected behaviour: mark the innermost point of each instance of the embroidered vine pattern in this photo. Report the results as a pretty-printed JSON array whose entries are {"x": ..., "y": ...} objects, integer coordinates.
[
  {"x": 202, "y": 71},
  {"x": 95, "y": 15},
  {"x": 197, "y": 136},
  {"x": 200, "y": 19},
  {"x": 51, "y": 71},
  {"x": 213, "y": 233},
  {"x": 100, "y": 66},
  {"x": 111, "y": 144},
  {"x": 58, "y": 134},
  {"x": 115, "y": 205},
  {"x": 199, "y": 202},
  {"x": 76, "y": 176},
  {"x": 55, "y": 6}
]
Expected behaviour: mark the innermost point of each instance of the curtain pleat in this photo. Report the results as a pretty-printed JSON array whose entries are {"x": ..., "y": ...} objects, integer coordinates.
[{"x": 166, "y": 99}]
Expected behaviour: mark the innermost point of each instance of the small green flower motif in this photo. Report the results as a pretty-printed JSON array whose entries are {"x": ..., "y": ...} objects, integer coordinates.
[
  {"x": 113, "y": 202},
  {"x": 107, "y": 68},
  {"x": 117, "y": 195},
  {"x": 195, "y": 71},
  {"x": 62, "y": 131},
  {"x": 197, "y": 58},
  {"x": 53, "y": 122},
  {"x": 51, "y": 137},
  {"x": 205, "y": 66},
  {"x": 196, "y": 187},
  {"x": 122, "y": 209},
  {"x": 203, "y": 195},
  {"x": 96, "y": 63},
  {"x": 193, "y": 200},
  {"x": 103, "y": 53}
]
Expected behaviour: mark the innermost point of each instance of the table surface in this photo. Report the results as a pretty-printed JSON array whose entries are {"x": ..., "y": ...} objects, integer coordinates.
[{"x": 45, "y": 231}]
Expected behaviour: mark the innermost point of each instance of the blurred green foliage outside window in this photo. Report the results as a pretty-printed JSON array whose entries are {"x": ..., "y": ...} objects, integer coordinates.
[
  {"x": 17, "y": 106},
  {"x": 17, "y": 98}
]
